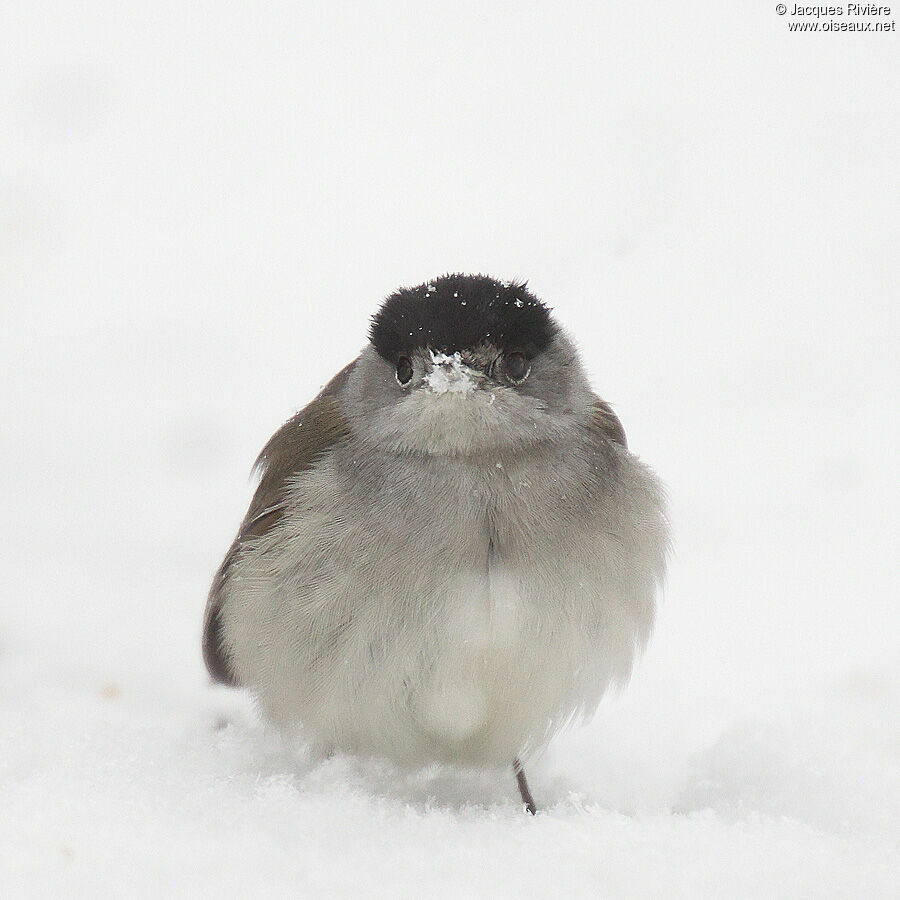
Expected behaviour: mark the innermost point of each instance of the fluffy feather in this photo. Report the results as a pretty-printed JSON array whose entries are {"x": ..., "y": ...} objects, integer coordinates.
[{"x": 436, "y": 573}]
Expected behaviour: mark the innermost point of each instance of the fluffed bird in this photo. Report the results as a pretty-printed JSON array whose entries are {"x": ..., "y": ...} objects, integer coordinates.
[{"x": 451, "y": 552}]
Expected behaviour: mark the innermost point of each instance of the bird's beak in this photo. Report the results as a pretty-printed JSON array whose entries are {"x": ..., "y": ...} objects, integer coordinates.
[{"x": 450, "y": 375}]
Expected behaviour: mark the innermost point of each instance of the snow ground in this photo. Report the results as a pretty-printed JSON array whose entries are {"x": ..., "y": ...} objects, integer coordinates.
[{"x": 200, "y": 208}]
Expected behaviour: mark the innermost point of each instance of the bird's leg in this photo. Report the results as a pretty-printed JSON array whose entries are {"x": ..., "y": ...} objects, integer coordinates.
[{"x": 524, "y": 791}]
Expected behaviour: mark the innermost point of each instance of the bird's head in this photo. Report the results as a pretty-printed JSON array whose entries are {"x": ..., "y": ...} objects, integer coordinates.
[{"x": 466, "y": 365}]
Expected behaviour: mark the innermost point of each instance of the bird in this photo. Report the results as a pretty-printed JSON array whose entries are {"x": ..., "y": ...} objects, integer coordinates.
[{"x": 451, "y": 553}]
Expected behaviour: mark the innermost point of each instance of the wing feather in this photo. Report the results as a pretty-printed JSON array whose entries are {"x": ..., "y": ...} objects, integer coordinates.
[
  {"x": 293, "y": 449},
  {"x": 606, "y": 423}
]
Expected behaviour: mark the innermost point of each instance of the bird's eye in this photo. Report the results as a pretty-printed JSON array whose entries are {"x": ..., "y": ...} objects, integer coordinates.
[
  {"x": 404, "y": 370},
  {"x": 516, "y": 367}
]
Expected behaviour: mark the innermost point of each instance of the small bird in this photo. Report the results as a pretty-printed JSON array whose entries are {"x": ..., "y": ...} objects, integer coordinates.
[{"x": 451, "y": 552}]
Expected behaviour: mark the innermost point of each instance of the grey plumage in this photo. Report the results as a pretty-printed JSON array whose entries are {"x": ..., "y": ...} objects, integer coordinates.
[{"x": 448, "y": 570}]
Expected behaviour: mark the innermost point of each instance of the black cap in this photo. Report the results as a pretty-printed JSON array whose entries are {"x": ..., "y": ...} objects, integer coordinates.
[{"x": 461, "y": 312}]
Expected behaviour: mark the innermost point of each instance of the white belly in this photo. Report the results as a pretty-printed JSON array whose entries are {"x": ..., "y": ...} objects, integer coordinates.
[
  {"x": 495, "y": 683},
  {"x": 483, "y": 634}
]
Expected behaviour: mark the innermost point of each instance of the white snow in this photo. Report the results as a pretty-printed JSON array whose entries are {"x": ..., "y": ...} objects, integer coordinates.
[
  {"x": 449, "y": 375},
  {"x": 199, "y": 212}
]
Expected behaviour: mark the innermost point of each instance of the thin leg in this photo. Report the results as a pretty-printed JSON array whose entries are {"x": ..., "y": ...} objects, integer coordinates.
[{"x": 524, "y": 791}]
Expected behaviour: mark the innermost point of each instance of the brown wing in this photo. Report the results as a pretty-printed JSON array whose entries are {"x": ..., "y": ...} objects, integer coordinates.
[
  {"x": 606, "y": 422},
  {"x": 294, "y": 448}
]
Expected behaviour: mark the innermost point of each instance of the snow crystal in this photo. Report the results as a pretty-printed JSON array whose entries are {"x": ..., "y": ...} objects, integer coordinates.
[{"x": 449, "y": 375}]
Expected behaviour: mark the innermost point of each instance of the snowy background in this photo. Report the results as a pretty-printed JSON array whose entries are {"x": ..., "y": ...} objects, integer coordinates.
[{"x": 200, "y": 206}]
